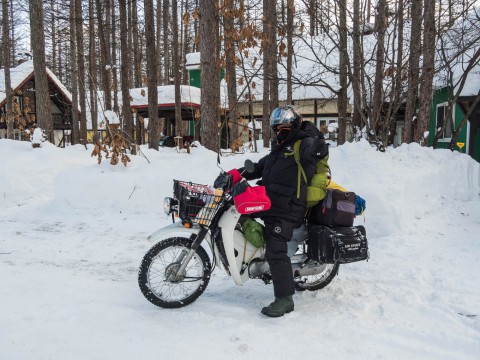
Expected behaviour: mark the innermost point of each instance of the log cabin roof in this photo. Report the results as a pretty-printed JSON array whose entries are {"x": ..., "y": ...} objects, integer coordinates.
[{"x": 24, "y": 72}]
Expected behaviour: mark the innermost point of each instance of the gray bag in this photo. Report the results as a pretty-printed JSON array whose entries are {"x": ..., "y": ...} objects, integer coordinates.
[{"x": 336, "y": 209}]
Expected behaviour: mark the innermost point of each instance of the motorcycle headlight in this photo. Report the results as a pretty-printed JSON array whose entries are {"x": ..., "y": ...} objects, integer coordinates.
[{"x": 169, "y": 205}]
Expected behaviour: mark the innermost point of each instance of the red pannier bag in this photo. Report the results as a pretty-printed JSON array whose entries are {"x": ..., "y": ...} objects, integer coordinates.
[{"x": 252, "y": 200}]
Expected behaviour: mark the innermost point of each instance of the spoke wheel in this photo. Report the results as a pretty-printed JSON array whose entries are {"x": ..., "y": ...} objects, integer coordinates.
[
  {"x": 317, "y": 281},
  {"x": 158, "y": 276}
]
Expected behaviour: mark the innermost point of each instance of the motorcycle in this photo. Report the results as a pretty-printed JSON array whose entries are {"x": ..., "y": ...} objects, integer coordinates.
[{"x": 176, "y": 271}]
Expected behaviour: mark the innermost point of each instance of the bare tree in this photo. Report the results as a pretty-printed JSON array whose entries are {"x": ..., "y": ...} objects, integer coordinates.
[
  {"x": 124, "y": 55},
  {"x": 153, "y": 121},
  {"x": 342, "y": 93},
  {"x": 137, "y": 69},
  {"x": 390, "y": 125},
  {"x": 290, "y": 14},
  {"x": 113, "y": 49},
  {"x": 176, "y": 70},
  {"x": 428, "y": 70},
  {"x": 378, "y": 92},
  {"x": 159, "y": 41},
  {"x": 42, "y": 97},
  {"x": 231, "y": 75},
  {"x": 92, "y": 69},
  {"x": 210, "y": 73},
  {"x": 413, "y": 67},
  {"x": 6, "y": 58},
  {"x": 270, "y": 75},
  {"x": 357, "y": 67},
  {"x": 74, "y": 76},
  {"x": 81, "y": 71},
  {"x": 105, "y": 58},
  {"x": 166, "y": 43}
]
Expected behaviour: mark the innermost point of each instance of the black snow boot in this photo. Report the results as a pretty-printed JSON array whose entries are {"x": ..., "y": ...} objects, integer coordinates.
[{"x": 281, "y": 306}]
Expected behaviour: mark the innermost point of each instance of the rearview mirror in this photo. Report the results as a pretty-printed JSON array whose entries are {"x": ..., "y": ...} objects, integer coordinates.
[{"x": 249, "y": 166}]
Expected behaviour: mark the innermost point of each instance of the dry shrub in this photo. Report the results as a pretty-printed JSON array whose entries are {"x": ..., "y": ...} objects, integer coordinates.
[{"x": 118, "y": 150}]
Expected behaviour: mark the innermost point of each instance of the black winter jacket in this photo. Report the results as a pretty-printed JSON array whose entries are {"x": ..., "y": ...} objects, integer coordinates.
[{"x": 279, "y": 172}]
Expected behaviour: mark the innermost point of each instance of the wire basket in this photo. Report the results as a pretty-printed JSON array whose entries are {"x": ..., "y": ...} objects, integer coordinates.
[{"x": 197, "y": 204}]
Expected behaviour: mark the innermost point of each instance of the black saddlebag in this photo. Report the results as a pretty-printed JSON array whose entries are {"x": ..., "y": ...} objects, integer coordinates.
[{"x": 340, "y": 245}]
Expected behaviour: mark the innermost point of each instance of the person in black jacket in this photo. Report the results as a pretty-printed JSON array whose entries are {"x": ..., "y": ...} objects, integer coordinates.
[{"x": 279, "y": 174}]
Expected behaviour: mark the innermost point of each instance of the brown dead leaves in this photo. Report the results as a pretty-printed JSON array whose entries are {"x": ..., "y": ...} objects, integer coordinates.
[{"x": 118, "y": 150}]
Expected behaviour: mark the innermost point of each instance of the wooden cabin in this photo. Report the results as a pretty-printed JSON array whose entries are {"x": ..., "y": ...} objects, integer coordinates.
[{"x": 23, "y": 87}]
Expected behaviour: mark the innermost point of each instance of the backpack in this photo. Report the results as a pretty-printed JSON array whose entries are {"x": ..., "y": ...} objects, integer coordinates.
[
  {"x": 336, "y": 209},
  {"x": 317, "y": 188}
]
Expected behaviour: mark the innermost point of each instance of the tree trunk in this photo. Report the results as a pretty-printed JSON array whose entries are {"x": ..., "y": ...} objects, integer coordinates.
[
  {"x": 92, "y": 69},
  {"x": 113, "y": 35},
  {"x": 153, "y": 121},
  {"x": 81, "y": 71},
  {"x": 54, "y": 35},
  {"x": 166, "y": 44},
  {"x": 105, "y": 59},
  {"x": 8, "y": 82},
  {"x": 413, "y": 68},
  {"x": 75, "y": 136},
  {"x": 342, "y": 94},
  {"x": 186, "y": 50},
  {"x": 273, "y": 53},
  {"x": 159, "y": 42},
  {"x": 428, "y": 69},
  {"x": 378, "y": 95},
  {"x": 42, "y": 96},
  {"x": 357, "y": 69},
  {"x": 398, "y": 75},
  {"x": 290, "y": 14},
  {"x": 176, "y": 70},
  {"x": 13, "y": 50},
  {"x": 311, "y": 13},
  {"x": 210, "y": 77},
  {"x": 231, "y": 75},
  {"x": 269, "y": 52},
  {"x": 137, "y": 76},
  {"x": 131, "y": 67},
  {"x": 124, "y": 55}
]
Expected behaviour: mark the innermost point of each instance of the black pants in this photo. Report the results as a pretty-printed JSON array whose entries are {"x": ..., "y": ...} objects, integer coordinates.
[{"x": 277, "y": 233}]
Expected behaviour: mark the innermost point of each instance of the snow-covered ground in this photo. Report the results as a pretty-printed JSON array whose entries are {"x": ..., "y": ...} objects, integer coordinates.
[{"x": 73, "y": 233}]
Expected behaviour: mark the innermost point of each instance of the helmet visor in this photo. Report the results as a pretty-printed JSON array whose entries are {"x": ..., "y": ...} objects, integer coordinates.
[{"x": 281, "y": 116}]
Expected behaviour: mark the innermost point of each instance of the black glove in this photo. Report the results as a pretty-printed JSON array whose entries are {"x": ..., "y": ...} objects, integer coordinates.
[
  {"x": 223, "y": 181},
  {"x": 239, "y": 188},
  {"x": 320, "y": 148}
]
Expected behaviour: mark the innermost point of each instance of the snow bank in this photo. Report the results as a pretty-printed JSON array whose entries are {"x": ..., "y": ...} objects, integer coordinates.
[{"x": 400, "y": 184}]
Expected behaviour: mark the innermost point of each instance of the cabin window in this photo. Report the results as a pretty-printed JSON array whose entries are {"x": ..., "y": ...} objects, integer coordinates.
[
  {"x": 328, "y": 126},
  {"x": 440, "y": 121},
  {"x": 19, "y": 100},
  {"x": 17, "y": 134}
]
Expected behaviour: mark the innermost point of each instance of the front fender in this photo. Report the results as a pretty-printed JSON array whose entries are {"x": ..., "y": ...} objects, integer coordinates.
[{"x": 174, "y": 229}]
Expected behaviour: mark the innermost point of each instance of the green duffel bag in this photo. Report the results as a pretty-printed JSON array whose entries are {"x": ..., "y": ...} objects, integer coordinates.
[{"x": 253, "y": 232}]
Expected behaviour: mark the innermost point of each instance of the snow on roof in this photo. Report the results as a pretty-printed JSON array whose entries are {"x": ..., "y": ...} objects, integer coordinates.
[
  {"x": 193, "y": 61},
  {"x": 189, "y": 95},
  {"x": 21, "y": 73},
  {"x": 258, "y": 125}
]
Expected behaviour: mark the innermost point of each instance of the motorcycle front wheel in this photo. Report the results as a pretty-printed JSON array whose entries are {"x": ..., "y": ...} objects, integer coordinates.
[
  {"x": 317, "y": 281},
  {"x": 160, "y": 281}
]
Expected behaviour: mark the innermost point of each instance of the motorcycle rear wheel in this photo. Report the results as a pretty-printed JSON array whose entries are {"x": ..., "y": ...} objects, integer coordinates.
[
  {"x": 318, "y": 281},
  {"x": 156, "y": 276}
]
